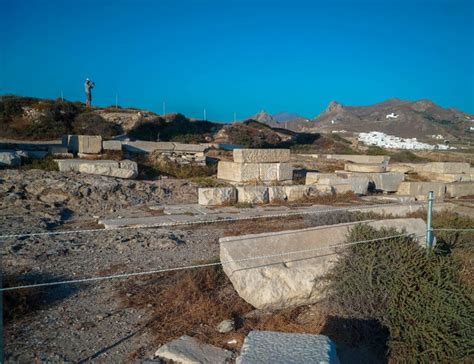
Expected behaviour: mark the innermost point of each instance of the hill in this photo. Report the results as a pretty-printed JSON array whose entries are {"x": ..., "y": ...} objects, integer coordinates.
[{"x": 420, "y": 119}]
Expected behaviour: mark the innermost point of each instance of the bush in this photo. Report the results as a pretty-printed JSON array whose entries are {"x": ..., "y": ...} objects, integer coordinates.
[
  {"x": 91, "y": 123},
  {"x": 375, "y": 150},
  {"x": 418, "y": 297},
  {"x": 45, "y": 164}
]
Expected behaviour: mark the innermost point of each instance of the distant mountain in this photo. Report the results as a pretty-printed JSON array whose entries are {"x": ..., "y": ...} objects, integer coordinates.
[
  {"x": 404, "y": 118},
  {"x": 279, "y": 120},
  {"x": 265, "y": 118}
]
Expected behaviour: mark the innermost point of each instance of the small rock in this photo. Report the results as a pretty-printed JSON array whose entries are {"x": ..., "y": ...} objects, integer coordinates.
[{"x": 226, "y": 326}]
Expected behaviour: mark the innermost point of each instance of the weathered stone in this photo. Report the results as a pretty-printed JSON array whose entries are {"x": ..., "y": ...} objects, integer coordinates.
[
  {"x": 252, "y": 194},
  {"x": 261, "y": 155},
  {"x": 190, "y": 148},
  {"x": 366, "y": 168},
  {"x": 107, "y": 171},
  {"x": 283, "y": 348},
  {"x": 112, "y": 145},
  {"x": 275, "y": 172},
  {"x": 141, "y": 146},
  {"x": 294, "y": 263},
  {"x": 9, "y": 159},
  {"x": 296, "y": 193},
  {"x": 342, "y": 188},
  {"x": 187, "y": 350},
  {"x": 320, "y": 190},
  {"x": 389, "y": 181},
  {"x": 460, "y": 189},
  {"x": 445, "y": 177},
  {"x": 276, "y": 194},
  {"x": 420, "y": 189},
  {"x": 359, "y": 184},
  {"x": 72, "y": 165},
  {"x": 128, "y": 164},
  {"x": 87, "y": 144},
  {"x": 364, "y": 159},
  {"x": 237, "y": 172},
  {"x": 402, "y": 168},
  {"x": 247, "y": 172},
  {"x": 57, "y": 150},
  {"x": 446, "y": 167},
  {"x": 226, "y": 326},
  {"x": 215, "y": 196}
]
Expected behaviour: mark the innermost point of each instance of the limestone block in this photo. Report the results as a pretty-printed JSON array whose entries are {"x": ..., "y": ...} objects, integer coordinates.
[
  {"x": 276, "y": 194},
  {"x": 128, "y": 164},
  {"x": 87, "y": 144},
  {"x": 445, "y": 177},
  {"x": 296, "y": 193},
  {"x": 112, "y": 145},
  {"x": 57, "y": 150},
  {"x": 72, "y": 165},
  {"x": 187, "y": 350},
  {"x": 252, "y": 194},
  {"x": 460, "y": 189},
  {"x": 261, "y": 155},
  {"x": 275, "y": 172},
  {"x": 320, "y": 190},
  {"x": 217, "y": 196},
  {"x": 283, "y": 348},
  {"x": 359, "y": 183},
  {"x": 9, "y": 159},
  {"x": 359, "y": 167},
  {"x": 342, "y": 188},
  {"x": 190, "y": 148},
  {"x": 389, "y": 181},
  {"x": 447, "y": 167},
  {"x": 420, "y": 189},
  {"x": 355, "y": 158},
  {"x": 295, "y": 261},
  {"x": 238, "y": 172},
  {"x": 402, "y": 168},
  {"x": 141, "y": 146},
  {"x": 107, "y": 171}
]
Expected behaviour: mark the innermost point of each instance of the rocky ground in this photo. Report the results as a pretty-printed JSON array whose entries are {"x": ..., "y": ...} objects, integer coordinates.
[{"x": 84, "y": 322}]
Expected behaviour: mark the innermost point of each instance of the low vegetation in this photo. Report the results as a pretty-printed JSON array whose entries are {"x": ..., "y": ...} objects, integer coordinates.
[
  {"x": 45, "y": 164},
  {"x": 421, "y": 299}
]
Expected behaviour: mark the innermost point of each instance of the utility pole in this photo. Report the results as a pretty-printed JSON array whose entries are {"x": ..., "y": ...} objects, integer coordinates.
[
  {"x": 205, "y": 116},
  {"x": 164, "y": 108},
  {"x": 62, "y": 97},
  {"x": 429, "y": 222}
]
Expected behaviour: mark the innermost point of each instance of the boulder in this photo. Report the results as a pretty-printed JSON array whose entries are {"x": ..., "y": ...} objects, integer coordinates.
[
  {"x": 187, "y": 350},
  {"x": 282, "y": 348},
  {"x": 215, "y": 196},
  {"x": 247, "y": 172},
  {"x": 261, "y": 155},
  {"x": 359, "y": 184},
  {"x": 354, "y": 167},
  {"x": 9, "y": 159},
  {"x": 460, "y": 189},
  {"x": 294, "y": 262},
  {"x": 252, "y": 194}
]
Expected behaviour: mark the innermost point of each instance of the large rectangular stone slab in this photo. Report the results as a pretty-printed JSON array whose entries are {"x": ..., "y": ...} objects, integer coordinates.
[
  {"x": 215, "y": 196},
  {"x": 283, "y": 348},
  {"x": 445, "y": 177},
  {"x": 261, "y": 155},
  {"x": 72, "y": 165},
  {"x": 252, "y": 194},
  {"x": 365, "y": 167},
  {"x": 293, "y": 262},
  {"x": 387, "y": 181},
  {"x": 87, "y": 144},
  {"x": 446, "y": 167},
  {"x": 359, "y": 183},
  {"x": 112, "y": 145},
  {"x": 421, "y": 189},
  {"x": 370, "y": 159},
  {"x": 460, "y": 189},
  {"x": 247, "y": 172},
  {"x": 141, "y": 147}
]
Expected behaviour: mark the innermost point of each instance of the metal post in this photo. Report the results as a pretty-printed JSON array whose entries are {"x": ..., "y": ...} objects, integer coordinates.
[{"x": 429, "y": 221}]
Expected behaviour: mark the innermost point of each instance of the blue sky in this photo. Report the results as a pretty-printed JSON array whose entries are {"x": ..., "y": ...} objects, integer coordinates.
[{"x": 240, "y": 56}]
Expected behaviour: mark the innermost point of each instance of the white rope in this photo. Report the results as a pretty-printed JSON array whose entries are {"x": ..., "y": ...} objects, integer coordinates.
[
  {"x": 171, "y": 224},
  {"x": 164, "y": 270},
  {"x": 460, "y": 230}
]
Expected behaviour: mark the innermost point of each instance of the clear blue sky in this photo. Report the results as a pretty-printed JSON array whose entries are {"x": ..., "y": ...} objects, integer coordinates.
[{"x": 241, "y": 56}]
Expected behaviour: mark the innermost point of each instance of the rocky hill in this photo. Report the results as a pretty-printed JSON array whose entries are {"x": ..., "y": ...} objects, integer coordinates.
[{"x": 421, "y": 119}]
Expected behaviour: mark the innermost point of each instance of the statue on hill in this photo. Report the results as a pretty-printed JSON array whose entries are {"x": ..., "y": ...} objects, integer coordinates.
[{"x": 88, "y": 86}]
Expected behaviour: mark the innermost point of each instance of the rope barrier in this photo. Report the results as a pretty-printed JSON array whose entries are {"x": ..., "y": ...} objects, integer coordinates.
[{"x": 164, "y": 270}]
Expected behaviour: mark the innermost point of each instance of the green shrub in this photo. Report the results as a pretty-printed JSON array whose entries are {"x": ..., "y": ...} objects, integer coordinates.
[
  {"x": 417, "y": 296},
  {"x": 375, "y": 150},
  {"x": 90, "y": 123},
  {"x": 407, "y": 157},
  {"x": 45, "y": 164}
]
